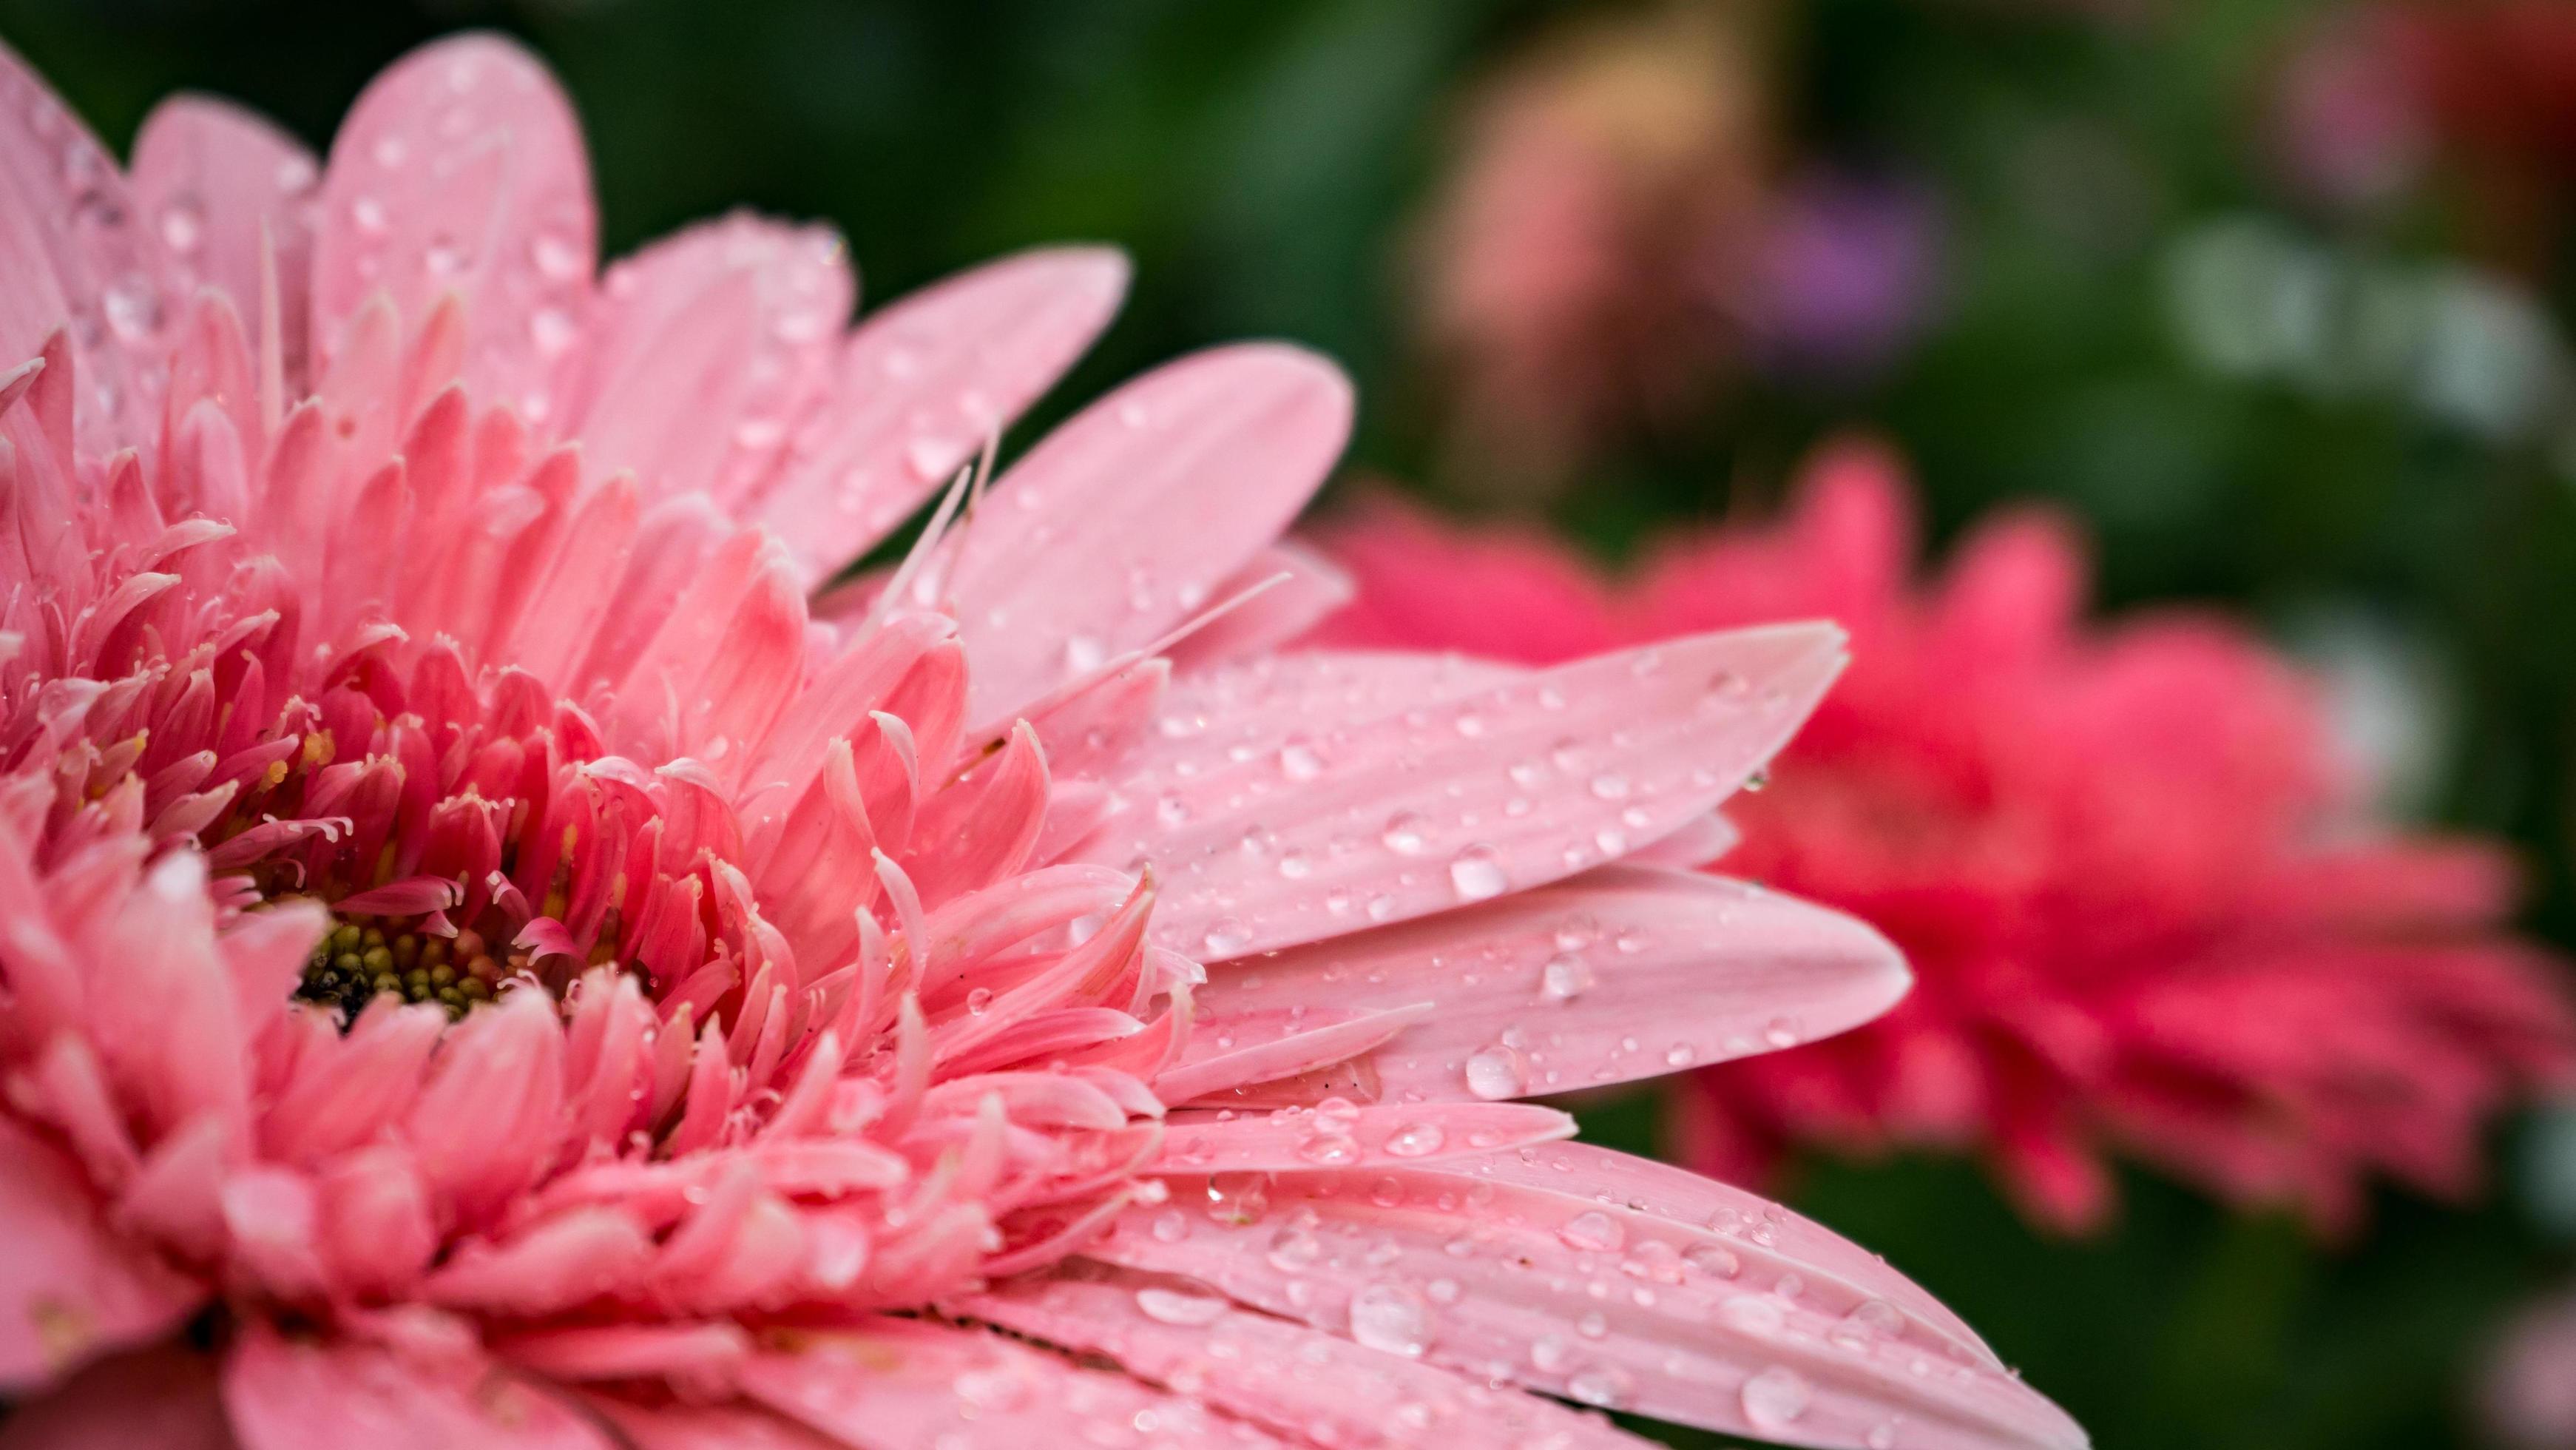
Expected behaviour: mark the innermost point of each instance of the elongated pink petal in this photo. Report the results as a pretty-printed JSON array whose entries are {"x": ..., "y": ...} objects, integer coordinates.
[
  {"x": 1299, "y": 587},
  {"x": 461, "y": 169},
  {"x": 1297, "y": 1381},
  {"x": 898, "y": 1384},
  {"x": 162, "y": 1397},
  {"x": 212, "y": 178},
  {"x": 1125, "y": 520},
  {"x": 1772, "y": 1329},
  {"x": 68, "y": 1288},
  {"x": 78, "y": 257},
  {"x": 287, "y": 1394},
  {"x": 922, "y": 385},
  {"x": 704, "y": 350},
  {"x": 693, "y": 1427},
  {"x": 1621, "y": 973},
  {"x": 1353, "y": 1137},
  {"x": 1434, "y": 806}
]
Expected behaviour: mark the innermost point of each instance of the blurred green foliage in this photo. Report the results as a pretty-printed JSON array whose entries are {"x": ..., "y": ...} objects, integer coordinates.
[{"x": 1264, "y": 163}]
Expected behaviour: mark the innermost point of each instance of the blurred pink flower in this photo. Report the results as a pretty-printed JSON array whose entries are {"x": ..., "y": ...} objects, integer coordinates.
[
  {"x": 2141, "y": 908},
  {"x": 1581, "y": 266},
  {"x": 719, "y": 1011}
]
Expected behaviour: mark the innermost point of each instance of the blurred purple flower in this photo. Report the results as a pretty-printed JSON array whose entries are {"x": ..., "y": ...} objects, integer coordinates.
[{"x": 1844, "y": 276}]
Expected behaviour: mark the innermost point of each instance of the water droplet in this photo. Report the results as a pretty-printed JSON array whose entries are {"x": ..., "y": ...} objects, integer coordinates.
[
  {"x": 1871, "y": 1319},
  {"x": 1293, "y": 1250},
  {"x": 1604, "y": 1387},
  {"x": 1714, "y": 1259},
  {"x": 183, "y": 226},
  {"x": 1083, "y": 654},
  {"x": 1175, "y": 1306},
  {"x": 979, "y": 1001},
  {"x": 1226, "y": 936},
  {"x": 1565, "y": 977},
  {"x": 1413, "y": 1140},
  {"x": 1593, "y": 1232},
  {"x": 1754, "y": 1314},
  {"x": 1391, "y": 1318},
  {"x": 1170, "y": 1226},
  {"x": 1754, "y": 783},
  {"x": 132, "y": 306},
  {"x": 552, "y": 330},
  {"x": 1551, "y": 1353},
  {"x": 929, "y": 458},
  {"x": 1404, "y": 834},
  {"x": 1780, "y": 1032},
  {"x": 1477, "y": 873},
  {"x": 1497, "y": 1073},
  {"x": 1295, "y": 866},
  {"x": 443, "y": 257},
  {"x": 1297, "y": 761},
  {"x": 1775, "y": 1398},
  {"x": 555, "y": 256},
  {"x": 1610, "y": 787}
]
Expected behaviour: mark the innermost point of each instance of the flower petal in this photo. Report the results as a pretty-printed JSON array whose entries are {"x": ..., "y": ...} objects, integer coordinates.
[
  {"x": 303, "y": 1395},
  {"x": 703, "y": 350},
  {"x": 77, "y": 257},
  {"x": 210, "y": 178},
  {"x": 1123, "y": 521},
  {"x": 898, "y": 1384},
  {"x": 1621, "y": 973},
  {"x": 163, "y": 1397},
  {"x": 1295, "y": 1380},
  {"x": 69, "y": 1288},
  {"x": 1534, "y": 1265},
  {"x": 1458, "y": 798},
  {"x": 1353, "y": 1137},
  {"x": 920, "y": 388},
  {"x": 461, "y": 169}
]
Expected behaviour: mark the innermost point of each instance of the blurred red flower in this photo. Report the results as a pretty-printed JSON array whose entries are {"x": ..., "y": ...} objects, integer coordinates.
[{"x": 2146, "y": 908}]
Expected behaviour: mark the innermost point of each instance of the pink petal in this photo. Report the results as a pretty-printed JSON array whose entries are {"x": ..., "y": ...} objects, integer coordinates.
[
  {"x": 70, "y": 1288},
  {"x": 689, "y": 1427},
  {"x": 488, "y": 1119},
  {"x": 1390, "y": 816},
  {"x": 1621, "y": 973},
  {"x": 704, "y": 349},
  {"x": 920, "y": 388},
  {"x": 210, "y": 177},
  {"x": 305, "y": 1395},
  {"x": 1300, "y": 1382},
  {"x": 1126, "y": 519},
  {"x": 1534, "y": 1265},
  {"x": 163, "y": 1397},
  {"x": 906, "y": 1383},
  {"x": 78, "y": 257},
  {"x": 1299, "y": 587},
  {"x": 1353, "y": 1137},
  {"x": 460, "y": 169}
]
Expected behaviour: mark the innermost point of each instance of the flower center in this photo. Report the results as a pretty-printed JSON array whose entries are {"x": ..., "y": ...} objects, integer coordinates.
[{"x": 362, "y": 958}]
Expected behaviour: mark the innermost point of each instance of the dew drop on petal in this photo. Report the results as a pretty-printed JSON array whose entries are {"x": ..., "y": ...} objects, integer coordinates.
[
  {"x": 1477, "y": 873},
  {"x": 1604, "y": 1388},
  {"x": 1391, "y": 1318},
  {"x": 1565, "y": 977},
  {"x": 1593, "y": 1232},
  {"x": 1413, "y": 1140},
  {"x": 1775, "y": 1398},
  {"x": 1226, "y": 936},
  {"x": 1404, "y": 835},
  {"x": 1297, "y": 761},
  {"x": 1496, "y": 1073},
  {"x": 1177, "y": 1306}
]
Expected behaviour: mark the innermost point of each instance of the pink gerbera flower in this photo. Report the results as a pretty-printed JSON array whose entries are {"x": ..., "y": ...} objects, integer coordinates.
[
  {"x": 2142, "y": 904},
  {"x": 490, "y": 958}
]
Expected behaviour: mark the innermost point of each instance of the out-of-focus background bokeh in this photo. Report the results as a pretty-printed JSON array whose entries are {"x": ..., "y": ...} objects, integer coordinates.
[{"x": 2273, "y": 295}]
